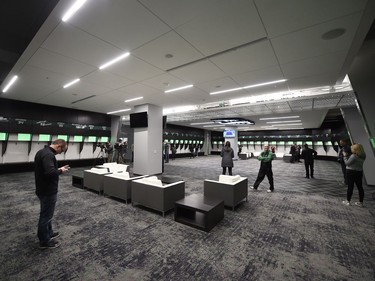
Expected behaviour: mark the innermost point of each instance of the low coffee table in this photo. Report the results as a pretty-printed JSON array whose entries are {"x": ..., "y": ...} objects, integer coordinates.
[
  {"x": 77, "y": 180},
  {"x": 198, "y": 211}
]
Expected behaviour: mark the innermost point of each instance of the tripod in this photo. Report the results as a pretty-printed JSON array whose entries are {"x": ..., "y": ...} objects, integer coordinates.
[{"x": 101, "y": 155}]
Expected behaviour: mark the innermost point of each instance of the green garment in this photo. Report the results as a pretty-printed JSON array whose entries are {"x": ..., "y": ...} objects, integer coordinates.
[{"x": 265, "y": 156}]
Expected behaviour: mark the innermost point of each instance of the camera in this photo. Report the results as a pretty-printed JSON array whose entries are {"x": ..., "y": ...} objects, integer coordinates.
[{"x": 101, "y": 145}]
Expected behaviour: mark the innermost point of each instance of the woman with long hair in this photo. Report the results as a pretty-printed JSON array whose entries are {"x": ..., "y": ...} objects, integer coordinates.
[
  {"x": 354, "y": 172},
  {"x": 227, "y": 155}
]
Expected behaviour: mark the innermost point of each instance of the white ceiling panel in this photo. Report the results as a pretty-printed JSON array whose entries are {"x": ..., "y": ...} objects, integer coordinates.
[
  {"x": 308, "y": 42},
  {"x": 259, "y": 76},
  {"x": 164, "y": 82},
  {"x": 280, "y": 18},
  {"x": 218, "y": 85},
  {"x": 178, "y": 12},
  {"x": 81, "y": 46},
  {"x": 198, "y": 72},
  {"x": 228, "y": 24},
  {"x": 57, "y": 63},
  {"x": 313, "y": 66},
  {"x": 103, "y": 77},
  {"x": 118, "y": 22},
  {"x": 171, "y": 43},
  {"x": 325, "y": 79},
  {"x": 134, "y": 69},
  {"x": 252, "y": 57}
]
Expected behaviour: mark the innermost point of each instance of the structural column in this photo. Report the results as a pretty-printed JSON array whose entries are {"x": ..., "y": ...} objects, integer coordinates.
[{"x": 148, "y": 142}]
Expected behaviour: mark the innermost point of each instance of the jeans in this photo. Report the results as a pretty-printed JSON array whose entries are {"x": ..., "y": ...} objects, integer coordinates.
[
  {"x": 47, "y": 208},
  {"x": 354, "y": 177}
]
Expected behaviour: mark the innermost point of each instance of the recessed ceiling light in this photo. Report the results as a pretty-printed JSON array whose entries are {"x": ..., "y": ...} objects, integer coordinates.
[{"x": 333, "y": 34}]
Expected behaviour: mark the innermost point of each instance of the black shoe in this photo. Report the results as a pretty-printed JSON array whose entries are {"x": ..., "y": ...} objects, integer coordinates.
[
  {"x": 312, "y": 177},
  {"x": 55, "y": 235},
  {"x": 51, "y": 244}
]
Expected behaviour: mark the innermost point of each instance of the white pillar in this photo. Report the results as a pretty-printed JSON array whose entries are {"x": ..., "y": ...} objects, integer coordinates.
[{"x": 148, "y": 142}]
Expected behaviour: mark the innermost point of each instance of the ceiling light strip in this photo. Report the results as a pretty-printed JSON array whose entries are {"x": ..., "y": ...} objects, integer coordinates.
[
  {"x": 250, "y": 86},
  {"x": 286, "y": 121},
  {"x": 73, "y": 9},
  {"x": 178, "y": 89},
  {"x": 134, "y": 99},
  {"x": 114, "y": 60},
  {"x": 71, "y": 83},
  {"x": 11, "y": 82},
  {"x": 117, "y": 111},
  {"x": 282, "y": 117}
]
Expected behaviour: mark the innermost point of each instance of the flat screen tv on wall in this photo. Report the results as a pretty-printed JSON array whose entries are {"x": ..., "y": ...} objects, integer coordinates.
[{"x": 139, "y": 120}]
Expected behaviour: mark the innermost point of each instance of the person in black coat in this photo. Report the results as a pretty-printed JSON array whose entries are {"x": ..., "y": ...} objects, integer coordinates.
[
  {"x": 308, "y": 154},
  {"x": 227, "y": 155},
  {"x": 344, "y": 149},
  {"x": 46, "y": 181}
]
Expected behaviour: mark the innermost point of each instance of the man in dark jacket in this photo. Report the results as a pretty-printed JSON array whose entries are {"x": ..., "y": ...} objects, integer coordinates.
[
  {"x": 46, "y": 182},
  {"x": 308, "y": 154},
  {"x": 344, "y": 149},
  {"x": 265, "y": 169}
]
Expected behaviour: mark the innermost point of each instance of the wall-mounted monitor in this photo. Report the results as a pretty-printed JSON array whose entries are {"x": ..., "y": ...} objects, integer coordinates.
[
  {"x": 78, "y": 139},
  {"x": 92, "y": 139},
  {"x": 181, "y": 141},
  {"x": 201, "y": 142},
  {"x": 194, "y": 141},
  {"x": 62, "y": 137},
  {"x": 190, "y": 141},
  {"x": 45, "y": 137},
  {"x": 172, "y": 141},
  {"x": 3, "y": 136},
  {"x": 229, "y": 134},
  {"x": 24, "y": 137},
  {"x": 138, "y": 120},
  {"x": 104, "y": 139}
]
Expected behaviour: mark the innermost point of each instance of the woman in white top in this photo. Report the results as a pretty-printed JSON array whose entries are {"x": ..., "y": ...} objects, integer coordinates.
[{"x": 354, "y": 172}]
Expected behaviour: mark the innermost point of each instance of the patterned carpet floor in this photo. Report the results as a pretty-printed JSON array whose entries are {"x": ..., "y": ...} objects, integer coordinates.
[{"x": 302, "y": 231}]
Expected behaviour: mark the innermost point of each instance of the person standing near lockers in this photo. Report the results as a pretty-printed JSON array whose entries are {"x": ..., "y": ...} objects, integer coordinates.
[
  {"x": 344, "y": 149},
  {"x": 46, "y": 181},
  {"x": 227, "y": 155},
  {"x": 354, "y": 172},
  {"x": 265, "y": 158},
  {"x": 308, "y": 154}
]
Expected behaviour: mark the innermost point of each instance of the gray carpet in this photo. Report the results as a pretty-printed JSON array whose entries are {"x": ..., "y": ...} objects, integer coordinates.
[{"x": 302, "y": 231}]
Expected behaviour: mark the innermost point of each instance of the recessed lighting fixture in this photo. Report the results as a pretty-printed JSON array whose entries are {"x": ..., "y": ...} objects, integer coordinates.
[
  {"x": 248, "y": 87},
  {"x": 129, "y": 100},
  {"x": 282, "y": 117},
  {"x": 73, "y": 9},
  {"x": 71, "y": 83},
  {"x": 117, "y": 111},
  {"x": 333, "y": 34},
  {"x": 177, "y": 89},
  {"x": 14, "y": 78},
  {"x": 114, "y": 60}
]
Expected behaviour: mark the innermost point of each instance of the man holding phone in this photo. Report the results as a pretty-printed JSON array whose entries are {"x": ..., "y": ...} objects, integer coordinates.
[{"x": 46, "y": 181}]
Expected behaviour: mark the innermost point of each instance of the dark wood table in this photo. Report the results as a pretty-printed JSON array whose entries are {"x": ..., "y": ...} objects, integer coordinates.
[
  {"x": 199, "y": 212},
  {"x": 77, "y": 180}
]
